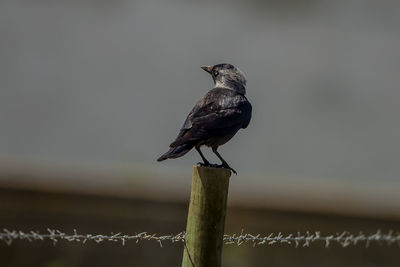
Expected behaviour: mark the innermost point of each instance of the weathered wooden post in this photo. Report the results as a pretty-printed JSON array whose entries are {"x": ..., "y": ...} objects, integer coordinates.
[{"x": 206, "y": 217}]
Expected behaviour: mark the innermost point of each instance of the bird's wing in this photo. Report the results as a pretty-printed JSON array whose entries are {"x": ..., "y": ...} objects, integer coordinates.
[{"x": 215, "y": 114}]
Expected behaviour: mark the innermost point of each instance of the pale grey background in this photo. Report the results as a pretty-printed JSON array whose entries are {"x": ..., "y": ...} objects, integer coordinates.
[{"x": 99, "y": 82}]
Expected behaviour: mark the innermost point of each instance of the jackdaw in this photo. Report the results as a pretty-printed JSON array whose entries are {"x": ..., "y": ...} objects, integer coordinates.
[{"x": 216, "y": 118}]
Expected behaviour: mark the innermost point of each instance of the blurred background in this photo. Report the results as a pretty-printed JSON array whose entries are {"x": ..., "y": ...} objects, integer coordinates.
[{"x": 92, "y": 92}]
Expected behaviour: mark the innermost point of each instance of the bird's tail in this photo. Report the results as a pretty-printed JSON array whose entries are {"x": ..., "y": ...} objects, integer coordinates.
[{"x": 176, "y": 152}]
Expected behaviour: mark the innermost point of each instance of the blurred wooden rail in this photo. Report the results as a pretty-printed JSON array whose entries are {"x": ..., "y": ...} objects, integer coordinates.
[{"x": 290, "y": 194}]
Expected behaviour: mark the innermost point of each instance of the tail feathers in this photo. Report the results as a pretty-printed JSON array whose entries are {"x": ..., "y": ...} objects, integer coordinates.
[{"x": 176, "y": 152}]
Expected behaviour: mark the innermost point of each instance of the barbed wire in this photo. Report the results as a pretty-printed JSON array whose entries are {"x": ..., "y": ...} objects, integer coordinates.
[{"x": 305, "y": 240}]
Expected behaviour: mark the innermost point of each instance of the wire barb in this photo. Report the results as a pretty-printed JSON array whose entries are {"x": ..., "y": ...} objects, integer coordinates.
[{"x": 344, "y": 239}]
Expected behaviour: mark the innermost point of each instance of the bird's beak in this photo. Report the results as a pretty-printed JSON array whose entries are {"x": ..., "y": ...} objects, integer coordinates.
[{"x": 207, "y": 68}]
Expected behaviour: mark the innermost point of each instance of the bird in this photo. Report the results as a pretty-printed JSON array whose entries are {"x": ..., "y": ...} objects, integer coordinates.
[{"x": 216, "y": 117}]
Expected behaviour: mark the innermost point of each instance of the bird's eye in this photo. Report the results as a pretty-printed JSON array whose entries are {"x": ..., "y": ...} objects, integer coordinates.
[{"x": 216, "y": 73}]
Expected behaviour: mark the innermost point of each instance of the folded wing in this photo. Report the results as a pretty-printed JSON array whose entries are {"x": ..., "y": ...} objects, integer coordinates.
[{"x": 215, "y": 115}]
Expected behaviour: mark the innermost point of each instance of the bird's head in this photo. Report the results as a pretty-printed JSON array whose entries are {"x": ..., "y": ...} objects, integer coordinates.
[{"x": 227, "y": 76}]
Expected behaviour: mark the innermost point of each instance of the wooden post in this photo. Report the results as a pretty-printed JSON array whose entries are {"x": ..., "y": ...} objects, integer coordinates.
[{"x": 206, "y": 217}]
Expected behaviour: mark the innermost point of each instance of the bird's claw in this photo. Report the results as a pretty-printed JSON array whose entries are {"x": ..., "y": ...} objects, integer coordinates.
[
  {"x": 226, "y": 166},
  {"x": 232, "y": 170},
  {"x": 204, "y": 164}
]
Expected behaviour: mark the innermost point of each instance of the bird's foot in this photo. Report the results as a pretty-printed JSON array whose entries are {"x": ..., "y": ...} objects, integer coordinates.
[
  {"x": 204, "y": 164},
  {"x": 207, "y": 164},
  {"x": 226, "y": 166}
]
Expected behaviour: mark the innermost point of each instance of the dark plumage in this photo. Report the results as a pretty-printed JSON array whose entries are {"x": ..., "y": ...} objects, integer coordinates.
[{"x": 217, "y": 117}]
